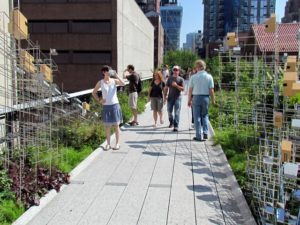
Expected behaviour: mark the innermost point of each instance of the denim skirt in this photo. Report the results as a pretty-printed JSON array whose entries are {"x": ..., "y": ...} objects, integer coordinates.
[{"x": 112, "y": 115}]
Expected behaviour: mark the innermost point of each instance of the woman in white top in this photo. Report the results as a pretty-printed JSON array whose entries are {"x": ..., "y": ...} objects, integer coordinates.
[{"x": 111, "y": 112}]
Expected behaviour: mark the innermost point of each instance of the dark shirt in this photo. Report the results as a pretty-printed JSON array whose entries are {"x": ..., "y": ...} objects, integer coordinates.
[
  {"x": 133, "y": 80},
  {"x": 174, "y": 93},
  {"x": 157, "y": 89}
]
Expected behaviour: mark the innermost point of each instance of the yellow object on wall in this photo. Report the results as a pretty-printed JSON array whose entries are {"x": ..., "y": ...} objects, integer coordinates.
[
  {"x": 46, "y": 70},
  {"x": 18, "y": 25},
  {"x": 231, "y": 39},
  {"x": 286, "y": 151},
  {"x": 270, "y": 25},
  {"x": 278, "y": 119}
]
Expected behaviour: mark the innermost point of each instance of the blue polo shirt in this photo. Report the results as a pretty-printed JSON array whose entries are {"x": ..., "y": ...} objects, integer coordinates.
[{"x": 201, "y": 82}]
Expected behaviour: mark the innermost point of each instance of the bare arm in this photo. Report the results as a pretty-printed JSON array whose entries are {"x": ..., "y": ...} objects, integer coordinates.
[
  {"x": 119, "y": 81},
  {"x": 94, "y": 93},
  {"x": 180, "y": 88},
  {"x": 166, "y": 90},
  {"x": 212, "y": 95},
  {"x": 190, "y": 96}
]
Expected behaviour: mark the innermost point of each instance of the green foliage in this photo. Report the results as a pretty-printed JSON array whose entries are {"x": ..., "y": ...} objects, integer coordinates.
[
  {"x": 5, "y": 185},
  {"x": 238, "y": 164},
  {"x": 80, "y": 133},
  {"x": 10, "y": 211},
  {"x": 295, "y": 99},
  {"x": 185, "y": 59},
  {"x": 70, "y": 158}
]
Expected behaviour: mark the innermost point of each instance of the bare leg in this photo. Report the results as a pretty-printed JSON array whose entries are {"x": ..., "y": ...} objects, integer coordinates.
[
  {"x": 135, "y": 113},
  {"x": 160, "y": 113},
  {"x": 117, "y": 130},
  {"x": 155, "y": 117},
  {"x": 107, "y": 131}
]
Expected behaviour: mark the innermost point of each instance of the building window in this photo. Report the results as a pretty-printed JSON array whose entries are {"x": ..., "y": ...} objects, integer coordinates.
[
  {"x": 92, "y": 57},
  {"x": 63, "y": 57},
  {"x": 88, "y": 26},
  {"x": 57, "y": 26}
]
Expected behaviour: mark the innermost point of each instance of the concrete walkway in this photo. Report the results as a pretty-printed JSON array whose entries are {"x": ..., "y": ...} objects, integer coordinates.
[{"x": 157, "y": 177}]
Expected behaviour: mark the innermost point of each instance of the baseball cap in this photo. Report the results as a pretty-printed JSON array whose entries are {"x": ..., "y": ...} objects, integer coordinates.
[{"x": 176, "y": 67}]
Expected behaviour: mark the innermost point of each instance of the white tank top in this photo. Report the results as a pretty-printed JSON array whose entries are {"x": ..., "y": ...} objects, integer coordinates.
[{"x": 109, "y": 92}]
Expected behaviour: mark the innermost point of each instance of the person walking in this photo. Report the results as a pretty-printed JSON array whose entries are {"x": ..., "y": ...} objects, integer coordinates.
[
  {"x": 186, "y": 78},
  {"x": 157, "y": 97},
  {"x": 111, "y": 112},
  {"x": 201, "y": 86},
  {"x": 173, "y": 89},
  {"x": 133, "y": 79},
  {"x": 165, "y": 72}
]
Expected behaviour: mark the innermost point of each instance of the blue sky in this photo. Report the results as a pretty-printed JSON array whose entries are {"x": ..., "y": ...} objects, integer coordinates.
[{"x": 192, "y": 19}]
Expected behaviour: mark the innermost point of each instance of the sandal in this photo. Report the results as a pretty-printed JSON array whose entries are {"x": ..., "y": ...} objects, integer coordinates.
[
  {"x": 106, "y": 148},
  {"x": 117, "y": 147}
]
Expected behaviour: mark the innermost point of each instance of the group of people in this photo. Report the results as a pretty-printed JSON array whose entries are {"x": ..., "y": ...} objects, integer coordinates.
[{"x": 164, "y": 88}]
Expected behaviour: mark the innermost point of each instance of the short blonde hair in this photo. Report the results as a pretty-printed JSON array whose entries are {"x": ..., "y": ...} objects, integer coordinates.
[{"x": 200, "y": 64}]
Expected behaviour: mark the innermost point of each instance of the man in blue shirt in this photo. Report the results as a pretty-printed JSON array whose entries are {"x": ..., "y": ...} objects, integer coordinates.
[{"x": 201, "y": 86}]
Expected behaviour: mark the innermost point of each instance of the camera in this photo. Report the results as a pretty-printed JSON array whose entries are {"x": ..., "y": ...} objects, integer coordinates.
[{"x": 112, "y": 73}]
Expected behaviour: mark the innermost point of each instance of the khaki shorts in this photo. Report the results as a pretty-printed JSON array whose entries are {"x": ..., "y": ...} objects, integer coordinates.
[
  {"x": 132, "y": 100},
  {"x": 156, "y": 104}
]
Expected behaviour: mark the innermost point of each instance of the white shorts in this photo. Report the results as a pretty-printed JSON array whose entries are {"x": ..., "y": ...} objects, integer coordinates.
[{"x": 132, "y": 100}]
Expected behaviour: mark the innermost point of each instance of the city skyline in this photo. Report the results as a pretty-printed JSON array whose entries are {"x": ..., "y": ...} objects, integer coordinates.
[{"x": 192, "y": 19}]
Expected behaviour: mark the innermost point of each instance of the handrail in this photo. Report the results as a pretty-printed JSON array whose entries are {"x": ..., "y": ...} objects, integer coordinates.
[{"x": 45, "y": 101}]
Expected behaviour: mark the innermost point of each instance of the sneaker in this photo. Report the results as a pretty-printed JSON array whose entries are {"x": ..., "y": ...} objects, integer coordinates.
[
  {"x": 175, "y": 129},
  {"x": 133, "y": 123},
  {"x": 117, "y": 147},
  {"x": 197, "y": 139},
  {"x": 106, "y": 148},
  {"x": 171, "y": 125},
  {"x": 205, "y": 136}
]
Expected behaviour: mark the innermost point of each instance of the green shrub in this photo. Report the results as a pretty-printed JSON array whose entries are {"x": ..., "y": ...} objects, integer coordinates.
[{"x": 10, "y": 211}]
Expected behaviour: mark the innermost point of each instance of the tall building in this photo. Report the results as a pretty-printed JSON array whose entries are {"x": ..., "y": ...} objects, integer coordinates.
[
  {"x": 223, "y": 16},
  {"x": 292, "y": 12},
  {"x": 149, "y": 5},
  {"x": 171, "y": 15},
  {"x": 151, "y": 9},
  {"x": 193, "y": 42},
  {"x": 89, "y": 34}
]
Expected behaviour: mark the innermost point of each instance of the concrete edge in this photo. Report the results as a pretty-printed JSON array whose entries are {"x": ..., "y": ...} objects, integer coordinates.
[
  {"x": 30, "y": 213},
  {"x": 238, "y": 194}
]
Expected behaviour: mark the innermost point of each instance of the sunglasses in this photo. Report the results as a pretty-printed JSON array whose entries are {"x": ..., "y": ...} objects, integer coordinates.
[{"x": 175, "y": 69}]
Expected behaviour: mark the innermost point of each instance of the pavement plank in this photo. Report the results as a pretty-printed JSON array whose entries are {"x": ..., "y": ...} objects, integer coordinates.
[{"x": 181, "y": 208}]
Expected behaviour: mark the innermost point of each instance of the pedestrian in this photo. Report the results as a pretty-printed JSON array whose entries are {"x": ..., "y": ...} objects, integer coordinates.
[
  {"x": 201, "y": 86},
  {"x": 111, "y": 111},
  {"x": 156, "y": 95},
  {"x": 173, "y": 89},
  {"x": 165, "y": 72},
  {"x": 133, "y": 79},
  {"x": 186, "y": 78}
]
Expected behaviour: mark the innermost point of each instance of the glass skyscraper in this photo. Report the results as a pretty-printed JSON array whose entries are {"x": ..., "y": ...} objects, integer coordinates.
[
  {"x": 223, "y": 16},
  {"x": 171, "y": 17}
]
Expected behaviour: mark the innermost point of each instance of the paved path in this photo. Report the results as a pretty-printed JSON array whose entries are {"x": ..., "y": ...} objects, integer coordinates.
[{"x": 157, "y": 177}]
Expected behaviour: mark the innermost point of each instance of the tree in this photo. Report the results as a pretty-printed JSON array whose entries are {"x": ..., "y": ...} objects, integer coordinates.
[{"x": 185, "y": 59}]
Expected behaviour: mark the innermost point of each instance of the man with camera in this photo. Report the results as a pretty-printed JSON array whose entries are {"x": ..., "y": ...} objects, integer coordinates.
[{"x": 133, "y": 79}]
